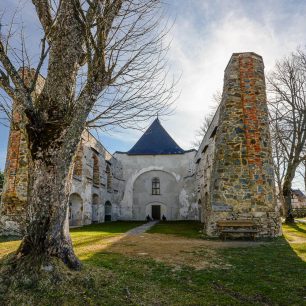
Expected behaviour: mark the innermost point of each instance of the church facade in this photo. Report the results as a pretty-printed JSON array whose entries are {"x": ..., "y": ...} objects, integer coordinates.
[
  {"x": 159, "y": 178},
  {"x": 229, "y": 177}
]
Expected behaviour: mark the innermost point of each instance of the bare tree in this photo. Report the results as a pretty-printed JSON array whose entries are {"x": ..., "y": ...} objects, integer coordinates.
[
  {"x": 302, "y": 172},
  {"x": 200, "y": 133},
  {"x": 287, "y": 89},
  {"x": 104, "y": 63}
]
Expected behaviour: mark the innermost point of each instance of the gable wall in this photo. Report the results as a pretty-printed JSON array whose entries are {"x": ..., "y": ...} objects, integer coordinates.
[{"x": 180, "y": 167}]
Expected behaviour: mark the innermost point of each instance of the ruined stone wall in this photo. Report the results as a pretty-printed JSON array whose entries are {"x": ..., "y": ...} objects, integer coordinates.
[
  {"x": 90, "y": 181},
  {"x": 14, "y": 195},
  {"x": 204, "y": 162},
  {"x": 242, "y": 183},
  {"x": 89, "y": 191}
]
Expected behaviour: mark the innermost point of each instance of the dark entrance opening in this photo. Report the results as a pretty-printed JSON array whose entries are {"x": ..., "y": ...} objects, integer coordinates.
[
  {"x": 108, "y": 211},
  {"x": 156, "y": 212}
]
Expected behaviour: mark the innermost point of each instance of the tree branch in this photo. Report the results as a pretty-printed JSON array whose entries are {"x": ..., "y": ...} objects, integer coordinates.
[{"x": 44, "y": 14}]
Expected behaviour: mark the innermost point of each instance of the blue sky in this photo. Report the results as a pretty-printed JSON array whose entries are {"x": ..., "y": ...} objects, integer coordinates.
[{"x": 204, "y": 35}]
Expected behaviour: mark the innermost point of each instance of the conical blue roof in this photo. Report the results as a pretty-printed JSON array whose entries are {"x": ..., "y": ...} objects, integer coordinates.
[{"x": 155, "y": 141}]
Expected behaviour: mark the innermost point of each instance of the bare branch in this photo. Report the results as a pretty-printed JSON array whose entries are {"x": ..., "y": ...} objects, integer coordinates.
[{"x": 44, "y": 14}]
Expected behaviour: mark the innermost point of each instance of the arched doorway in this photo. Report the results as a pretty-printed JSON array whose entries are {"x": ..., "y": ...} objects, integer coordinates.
[
  {"x": 95, "y": 208},
  {"x": 108, "y": 211},
  {"x": 75, "y": 209}
]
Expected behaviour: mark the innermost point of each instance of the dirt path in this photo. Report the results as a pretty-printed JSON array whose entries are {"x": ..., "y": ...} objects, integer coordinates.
[
  {"x": 170, "y": 249},
  {"x": 174, "y": 250}
]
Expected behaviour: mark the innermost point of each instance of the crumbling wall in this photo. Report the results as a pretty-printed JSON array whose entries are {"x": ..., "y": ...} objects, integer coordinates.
[
  {"x": 242, "y": 184},
  {"x": 14, "y": 196}
]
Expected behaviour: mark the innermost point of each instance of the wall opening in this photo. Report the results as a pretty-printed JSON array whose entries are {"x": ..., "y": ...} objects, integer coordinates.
[
  {"x": 95, "y": 208},
  {"x": 75, "y": 209},
  {"x": 96, "y": 171},
  {"x": 78, "y": 164},
  {"x": 109, "y": 178},
  {"x": 156, "y": 212},
  {"x": 108, "y": 211}
]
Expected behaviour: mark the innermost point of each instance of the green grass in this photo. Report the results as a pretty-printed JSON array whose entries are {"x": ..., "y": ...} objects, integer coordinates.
[
  {"x": 189, "y": 229},
  {"x": 85, "y": 239},
  {"x": 273, "y": 273},
  {"x": 89, "y": 239}
]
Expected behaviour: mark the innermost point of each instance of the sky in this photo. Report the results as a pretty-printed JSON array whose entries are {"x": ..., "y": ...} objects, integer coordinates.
[{"x": 204, "y": 35}]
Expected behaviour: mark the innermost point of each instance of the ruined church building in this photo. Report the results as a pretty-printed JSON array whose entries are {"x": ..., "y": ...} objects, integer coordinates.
[{"x": 229, "y": 177}]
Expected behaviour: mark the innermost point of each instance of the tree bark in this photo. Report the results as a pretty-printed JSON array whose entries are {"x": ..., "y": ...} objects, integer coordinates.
[
  {"x": 47, "y": 232},
  {"x": 288, "y": 205},
  {"x": 287, "y": 193}
]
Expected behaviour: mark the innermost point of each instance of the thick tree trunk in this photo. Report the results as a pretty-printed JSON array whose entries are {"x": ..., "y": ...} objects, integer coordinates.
[
  {"x": 287, "y": 193},
  {"x": 283, "y": 212},
  {"x": 304, "y": 164},
  {"x": 47, "y": 232},
  {"x": 287, "y": 204}
]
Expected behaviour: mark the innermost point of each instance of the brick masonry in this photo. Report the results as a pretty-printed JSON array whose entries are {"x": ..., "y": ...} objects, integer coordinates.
[
  {"x": 14, "y": 196},
  {"x": 241, "y": 180}
]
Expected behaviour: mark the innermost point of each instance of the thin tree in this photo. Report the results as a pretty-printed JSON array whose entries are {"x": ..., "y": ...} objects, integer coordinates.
[
  {"x": 200, "y": 133},
  {"x": 287, "y": 95},
  {"x": 103, "y": 63},
  {"x": 302, "y": 172}
]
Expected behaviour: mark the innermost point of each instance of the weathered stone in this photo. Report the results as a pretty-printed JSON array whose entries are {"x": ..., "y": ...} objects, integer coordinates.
[
  {"x": 242, "y": 123},
  {"x": 230, "y": 176}
]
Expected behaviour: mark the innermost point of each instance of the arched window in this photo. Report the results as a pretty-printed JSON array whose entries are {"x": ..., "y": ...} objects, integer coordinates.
[
  {"x": 96, "y": 171},
  {"x": 108, "y": 178},
  {"x": 155, "y": 186},
  {"x": 108, "y": 211},
  {"x": 95, "y": 208},
  {"x": 78, "y": 167},
  {"x": 75, "y": 209}
]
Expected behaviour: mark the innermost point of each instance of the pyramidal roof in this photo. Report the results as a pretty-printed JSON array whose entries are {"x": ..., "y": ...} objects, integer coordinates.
[{"x": 155, "y": 141}]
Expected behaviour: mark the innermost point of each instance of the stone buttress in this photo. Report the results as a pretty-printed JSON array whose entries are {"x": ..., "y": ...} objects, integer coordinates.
[{"x": 242, "y": 181}]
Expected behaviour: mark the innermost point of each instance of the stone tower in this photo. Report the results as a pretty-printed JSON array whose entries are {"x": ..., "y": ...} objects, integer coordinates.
[
  {"x": 14, "y": 196},
  {"x": 242, "y": 182}
]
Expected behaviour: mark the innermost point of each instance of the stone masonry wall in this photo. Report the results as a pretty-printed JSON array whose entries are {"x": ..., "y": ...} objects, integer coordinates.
[
  {"x": 14, "y": 196},
  {"x": 242, "y": 182}
]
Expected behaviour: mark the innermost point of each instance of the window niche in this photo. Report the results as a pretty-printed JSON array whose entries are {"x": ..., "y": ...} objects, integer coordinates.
[
  {"x": 78, "y": 163},
  {"x": 96, "y": 171},
  {"x": 109, "y": 179},
  {"x": 155, "y": 186}
]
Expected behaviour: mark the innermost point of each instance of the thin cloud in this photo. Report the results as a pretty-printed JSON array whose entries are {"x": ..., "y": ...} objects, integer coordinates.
[{"x": 204, "y": 36}]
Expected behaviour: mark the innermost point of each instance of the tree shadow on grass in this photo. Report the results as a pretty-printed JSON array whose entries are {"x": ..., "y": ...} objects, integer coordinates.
[
  {"x": 268, "y": 274},
  {"x": 9, "y": 238},
  {"x": 109, "y": 227},
  {"x": 296, "y": 227}
]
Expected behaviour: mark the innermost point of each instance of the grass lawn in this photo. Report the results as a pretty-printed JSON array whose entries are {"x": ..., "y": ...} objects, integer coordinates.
[
  {"x": 179, "y": 228},
  {"x": 273, "y": 273}
]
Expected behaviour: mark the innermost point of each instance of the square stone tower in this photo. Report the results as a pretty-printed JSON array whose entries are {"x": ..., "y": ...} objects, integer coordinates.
[{"x": 242, "y": 177}]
